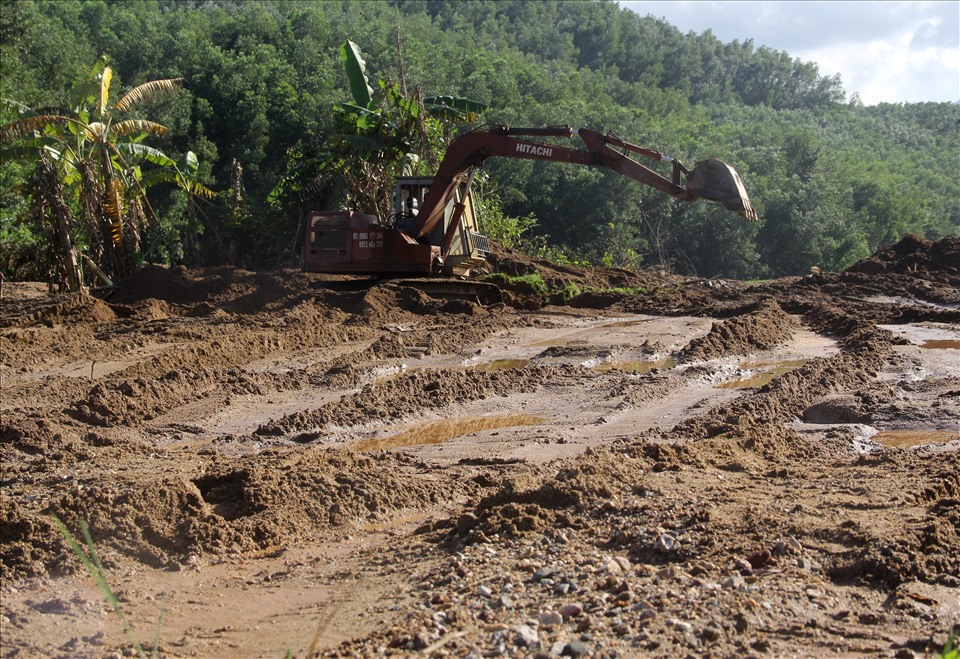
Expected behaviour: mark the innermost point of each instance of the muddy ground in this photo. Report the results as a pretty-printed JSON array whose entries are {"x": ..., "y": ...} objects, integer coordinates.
[{"x": 286, "y": 464}]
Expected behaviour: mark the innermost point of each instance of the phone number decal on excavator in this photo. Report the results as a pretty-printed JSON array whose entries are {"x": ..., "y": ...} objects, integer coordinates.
[{"x": 368, "y": 240}]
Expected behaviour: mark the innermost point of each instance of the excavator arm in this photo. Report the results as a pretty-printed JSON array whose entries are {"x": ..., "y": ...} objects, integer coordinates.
[{"x": 712, "y": 179}]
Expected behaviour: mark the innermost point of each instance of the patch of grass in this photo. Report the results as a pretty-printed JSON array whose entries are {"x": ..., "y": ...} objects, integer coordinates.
[
  {"x": 91, "y": 561},
  {"x": 625, "y": 290},
  {"x": 950, "y": 650},
  {"x": 569, "y": 291},
  {"x": 529, "y": 284},
  {"x": 534, "y": 284}
]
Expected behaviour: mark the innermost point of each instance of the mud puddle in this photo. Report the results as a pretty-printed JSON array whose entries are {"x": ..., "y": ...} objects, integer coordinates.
[
  {"x": 671, "y": 333},
  {"x": 758, "y": 374},
  {"x": 502, "y": 364},
  {"x": 941, "y": 344},
  {"x": 636, "y": 367},
  {"x": 444, "y": 430},
  {"x": 911, "y": 438},
  {"x": 936, "y": 336}
]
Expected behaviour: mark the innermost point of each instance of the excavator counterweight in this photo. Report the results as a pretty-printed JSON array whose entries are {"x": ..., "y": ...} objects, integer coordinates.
[{"x": 435, "y": 229}]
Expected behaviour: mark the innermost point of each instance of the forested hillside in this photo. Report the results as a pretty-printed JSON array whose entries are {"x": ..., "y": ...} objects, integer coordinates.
[{"x": 831, "y": 179}]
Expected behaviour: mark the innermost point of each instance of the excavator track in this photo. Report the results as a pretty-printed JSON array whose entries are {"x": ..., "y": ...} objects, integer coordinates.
[{"x": 448, "y": 288}]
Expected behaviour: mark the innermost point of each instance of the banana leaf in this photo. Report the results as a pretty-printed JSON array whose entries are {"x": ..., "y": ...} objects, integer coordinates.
[
  {"x": 451, "y": 107},
  {"x": 356, "y": 69}
]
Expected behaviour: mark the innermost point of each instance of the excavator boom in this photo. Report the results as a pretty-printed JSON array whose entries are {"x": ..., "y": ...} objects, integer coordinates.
[{"x": 711, "y": 179}]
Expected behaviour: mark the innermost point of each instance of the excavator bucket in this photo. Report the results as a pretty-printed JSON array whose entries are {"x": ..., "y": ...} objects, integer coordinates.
[{"x": 717, "y": 181}]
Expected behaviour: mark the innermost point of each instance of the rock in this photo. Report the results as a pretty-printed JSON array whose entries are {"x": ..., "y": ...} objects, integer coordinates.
[
  {"x": 556, "y": 650},
  {"x": 743, "y": 566},
  {"x": 526, "y": 636},
  {"x": 808, "y": 565},
  {"x": 576, "y": 649},
  {"x": 680, "y": 625},
  {"x": 669, "y": 572},
  {"x": 611, "y": 566},
  {"x": 735, "y": 581},
  {"x": 741, "y": 623},
  {"x": 544, "y": 573},
  {"x": 870, "y": 618},
  {"x": 484, "y": 591},
  {"x": 572, "y": 610},
  {"x": 711, "y": 633},
  {"x": 759, "y": 558},
  {"x": 551, "y": 618},
  {"x": 761, "y": 645},
  {"x": 623, "y": 562},
  {"x": 420, "y": 641},
  {"x": 666, "y": 544},
  {"x": 788, "y": 546}
]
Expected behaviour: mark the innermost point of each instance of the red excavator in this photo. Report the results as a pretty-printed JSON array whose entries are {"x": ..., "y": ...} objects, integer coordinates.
[{"x": 435, "y": 228}]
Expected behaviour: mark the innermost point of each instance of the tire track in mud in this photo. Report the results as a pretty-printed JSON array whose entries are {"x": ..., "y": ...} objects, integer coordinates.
[{"x": 412, "y": 393}]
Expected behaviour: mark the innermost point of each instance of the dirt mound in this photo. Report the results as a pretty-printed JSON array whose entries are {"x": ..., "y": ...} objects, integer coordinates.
[
  {"x": 912, "y": 254},
  {"x": 73, "y": 308},
  {"x": 230, "y": 289},
  {"x": 172, "y": 285},
  {"x": 131, "y": 403},
  {"x": 760, "y": 328},
  {"x": 534, "y": 503},
  {"x": 558, "y": 277},
  {"x": 268, "y": 501}
]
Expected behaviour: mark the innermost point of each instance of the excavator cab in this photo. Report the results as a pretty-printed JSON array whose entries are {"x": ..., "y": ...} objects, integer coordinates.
[
  {"x": 407, "y": 198},
  {"x": 463, "y": 246}
]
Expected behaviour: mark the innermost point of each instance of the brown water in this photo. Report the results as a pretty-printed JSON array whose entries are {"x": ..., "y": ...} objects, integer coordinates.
[
  {"x": 767, "y": 372},
  {"x": 636, "y": 367},
  {"x": 907, "y": 438},
  {"x": 941, "y": 344},
  {"x": 502, "y": 364},
  {"x": 441, "y": 431},
  {"x": 627, "y": 323}
]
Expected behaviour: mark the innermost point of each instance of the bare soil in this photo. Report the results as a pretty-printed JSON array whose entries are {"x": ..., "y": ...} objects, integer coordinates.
[{"x": 282, "y": 462}]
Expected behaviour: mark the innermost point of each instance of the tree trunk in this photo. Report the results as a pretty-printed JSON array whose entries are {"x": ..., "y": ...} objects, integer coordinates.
[
  {"x": 51, "y": 193},
  {"x": 91, "y": 204}
]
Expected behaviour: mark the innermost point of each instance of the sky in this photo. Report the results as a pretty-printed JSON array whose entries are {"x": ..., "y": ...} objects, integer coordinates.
[{"x": 887, "y": 52}]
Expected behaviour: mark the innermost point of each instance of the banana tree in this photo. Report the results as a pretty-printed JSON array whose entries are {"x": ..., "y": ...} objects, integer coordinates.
[
  {"x": 184, "y": 173},
  {"x": 384, "y": 133},
  {"x": 95, "y": 151}
]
